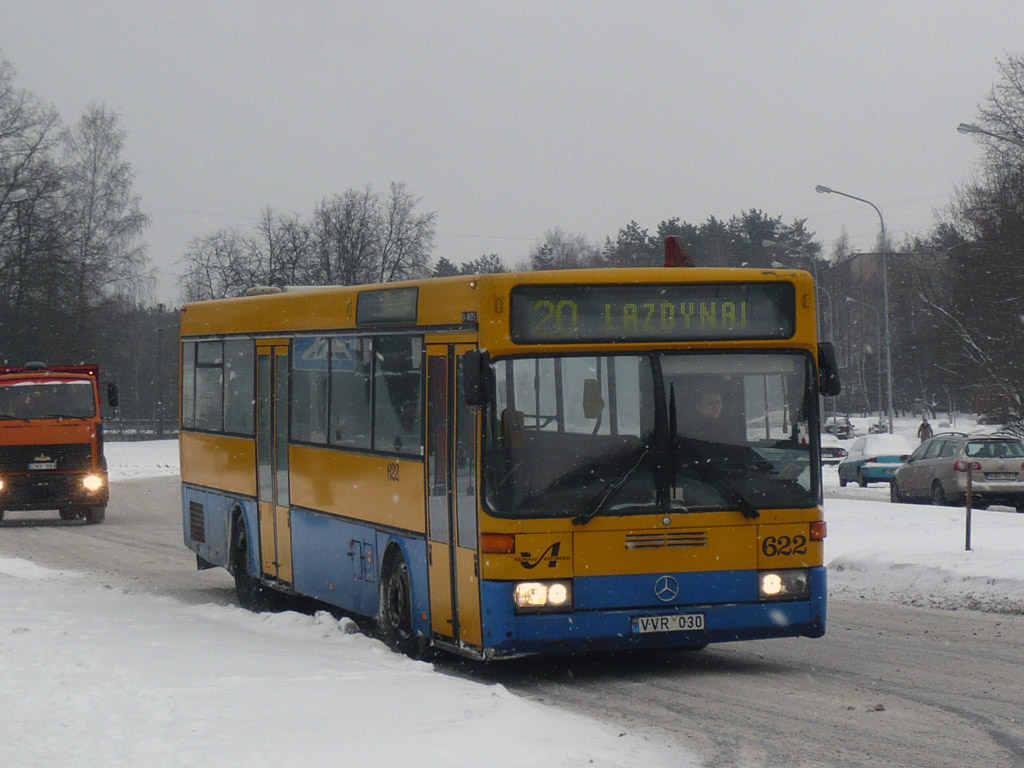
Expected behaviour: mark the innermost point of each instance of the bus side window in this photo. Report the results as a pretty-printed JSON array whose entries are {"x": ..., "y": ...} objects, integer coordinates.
[
  {"x": 398, "y": 396},
  {"x": 351, "y": 382}
]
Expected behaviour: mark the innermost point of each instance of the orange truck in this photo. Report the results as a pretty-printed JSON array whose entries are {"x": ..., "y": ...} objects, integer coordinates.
[{"x": 51, "y": 440}]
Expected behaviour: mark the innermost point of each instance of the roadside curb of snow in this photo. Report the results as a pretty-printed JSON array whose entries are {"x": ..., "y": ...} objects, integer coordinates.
[{"x": 923, "y": 586}]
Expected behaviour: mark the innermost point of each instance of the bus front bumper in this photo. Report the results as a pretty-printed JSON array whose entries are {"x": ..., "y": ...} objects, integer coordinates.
[{"x": 508, "y": 634}]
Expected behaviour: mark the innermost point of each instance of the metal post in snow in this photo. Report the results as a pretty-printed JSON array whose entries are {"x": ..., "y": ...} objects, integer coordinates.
[{"x": 970, "y": 501}]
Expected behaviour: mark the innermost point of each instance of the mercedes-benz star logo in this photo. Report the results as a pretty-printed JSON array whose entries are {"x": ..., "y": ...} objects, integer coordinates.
[{"x": 666, "y": 589}]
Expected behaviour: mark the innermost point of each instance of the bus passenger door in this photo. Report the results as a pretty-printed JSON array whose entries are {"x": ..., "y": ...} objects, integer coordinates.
[
  {"x": 451, "y": 500},
  {"x": 272, "y": 460}
]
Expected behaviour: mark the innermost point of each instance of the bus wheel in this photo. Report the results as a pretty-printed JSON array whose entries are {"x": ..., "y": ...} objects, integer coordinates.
[
  {"x": 395, "y": 620},
  {"x": 252, "y": 595},
  {"x": 95, "y": 515}
]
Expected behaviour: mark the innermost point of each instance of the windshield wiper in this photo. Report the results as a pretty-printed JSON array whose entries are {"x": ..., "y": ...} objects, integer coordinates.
[
  {"x": 706, "y": 471},
  {"x": 602, "y": 499},
  {"x": 746, "y": 506}
]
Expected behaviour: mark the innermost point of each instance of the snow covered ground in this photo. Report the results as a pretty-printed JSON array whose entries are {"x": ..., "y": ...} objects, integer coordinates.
[{"x": 94, "y": 676}]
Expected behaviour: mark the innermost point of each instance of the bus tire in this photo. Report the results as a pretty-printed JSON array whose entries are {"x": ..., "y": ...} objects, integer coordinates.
[
  {"x": 95, "y": 515},
  {"x": 252, "y": 594},
  {"x": 395, "y": 616}
]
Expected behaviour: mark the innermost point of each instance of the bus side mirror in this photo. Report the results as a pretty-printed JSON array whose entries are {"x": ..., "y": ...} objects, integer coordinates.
[
  {"x": 476, "y": 368},
  {"x": 828, "y": 370},
  {"x": 593, "y": 403},
  {"x": 113, "y": 398},
  {"x": 513, "y": 429}
]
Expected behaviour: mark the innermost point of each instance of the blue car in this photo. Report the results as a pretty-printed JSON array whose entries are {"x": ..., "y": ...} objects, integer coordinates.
[{"x": 873, "y": 459}]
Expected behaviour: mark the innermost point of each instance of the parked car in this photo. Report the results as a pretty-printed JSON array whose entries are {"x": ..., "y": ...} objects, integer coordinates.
[
  {"x": 873, "y": 459},
  {"x": 832, "y": 450},
  {"x": 841, "y": 428},
  {"x": 937, "y": 471}
]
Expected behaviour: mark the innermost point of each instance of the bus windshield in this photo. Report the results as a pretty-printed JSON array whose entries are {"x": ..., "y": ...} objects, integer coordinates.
[
  {"x": 47, "y": 399},
  {"x": 580, "y": 436}
]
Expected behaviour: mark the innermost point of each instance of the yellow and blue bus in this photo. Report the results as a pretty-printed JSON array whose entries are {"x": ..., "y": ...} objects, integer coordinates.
[{"x": 508, "y": 464}]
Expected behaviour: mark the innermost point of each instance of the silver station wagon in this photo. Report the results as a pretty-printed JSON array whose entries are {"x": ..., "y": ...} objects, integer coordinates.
[{"x": 938, "y": 471}]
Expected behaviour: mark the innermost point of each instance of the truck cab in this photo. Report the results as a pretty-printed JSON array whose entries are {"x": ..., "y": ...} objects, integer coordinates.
[{"x": 51, "y": 440}]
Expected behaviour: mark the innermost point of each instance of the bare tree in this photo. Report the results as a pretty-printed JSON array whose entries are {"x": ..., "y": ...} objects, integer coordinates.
[
  {"x": 29, "y": 132},
  {"x": 560, "y": 250},
  {"x": 405, "y": 238},
  {"x": 102, "y": 217},
  {"x": 982, "y": 238},
  {"x": 344, "y": 239},
  {"x": 217, "y": 266}
]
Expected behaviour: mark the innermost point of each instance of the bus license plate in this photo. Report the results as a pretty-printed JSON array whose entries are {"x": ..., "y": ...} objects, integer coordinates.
[
  {"x": 42, "y": 465},
  {"x": 676, "y": 622}
]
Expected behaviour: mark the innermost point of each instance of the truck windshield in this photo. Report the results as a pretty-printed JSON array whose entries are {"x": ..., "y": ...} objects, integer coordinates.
[
  {"x": 580, "y": 436},
  {"x": 47, "y": 399}
]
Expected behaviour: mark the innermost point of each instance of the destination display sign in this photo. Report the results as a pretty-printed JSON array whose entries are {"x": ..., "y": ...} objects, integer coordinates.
[
  {"x": 387, "y": 305},
  {"x": 675, "y": 312}
]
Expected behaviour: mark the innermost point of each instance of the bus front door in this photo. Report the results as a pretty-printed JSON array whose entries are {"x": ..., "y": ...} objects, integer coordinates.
[
  {"x": 272, "y": 460},
  {"x": 451, "y": 500}
]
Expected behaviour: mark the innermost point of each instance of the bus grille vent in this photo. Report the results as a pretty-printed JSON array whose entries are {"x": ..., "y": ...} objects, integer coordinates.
[
  {"x": 666, "y": 539},
  {"x": 197, "y": 522}
]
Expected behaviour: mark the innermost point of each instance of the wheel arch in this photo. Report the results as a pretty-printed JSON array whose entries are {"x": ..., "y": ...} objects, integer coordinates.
[
  {"x": 413, "y": 551},
  {"x": 238, "y": 517}
]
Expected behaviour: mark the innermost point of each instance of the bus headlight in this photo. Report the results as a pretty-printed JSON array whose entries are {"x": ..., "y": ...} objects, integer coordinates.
[
  {"x": 541, "y": 596},
  {"x": 783, "y": 585},
  {"x": 92, "y": 482}
]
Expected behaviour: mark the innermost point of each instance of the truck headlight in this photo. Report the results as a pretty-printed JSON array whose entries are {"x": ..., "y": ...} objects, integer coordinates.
[
  {"x": 542, "y": 596},
  {"x": 783, "y": 585},
  {"x": 1, "y": 483},
  {"x": 92, "y": 482}
]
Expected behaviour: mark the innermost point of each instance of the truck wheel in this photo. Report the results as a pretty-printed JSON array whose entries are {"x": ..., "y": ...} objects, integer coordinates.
[
  {"x": 95, "y": 515},
  {"x": 69, "y": 513}
]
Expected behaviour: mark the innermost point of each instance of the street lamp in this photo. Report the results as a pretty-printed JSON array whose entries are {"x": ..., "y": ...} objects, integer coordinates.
[
  {"x": 878, "y": 334},
  {"x": 885, "y": 297},
  {"x": 972, "y": 128}
]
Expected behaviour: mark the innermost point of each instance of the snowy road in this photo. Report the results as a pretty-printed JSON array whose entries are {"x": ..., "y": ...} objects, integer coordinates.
[{"x": 888, "y": 685}]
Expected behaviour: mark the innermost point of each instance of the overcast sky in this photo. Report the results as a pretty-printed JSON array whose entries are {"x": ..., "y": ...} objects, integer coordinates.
[{"x": 509, "y": 119}]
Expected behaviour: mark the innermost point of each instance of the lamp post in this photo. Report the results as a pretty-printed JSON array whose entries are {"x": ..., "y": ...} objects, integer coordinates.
[
  {"x": 885, "y": 297},
  {"x": 878, "y": 340},
  {"x": 160, "y": 374},
  {"x": 972, "y": 128}
]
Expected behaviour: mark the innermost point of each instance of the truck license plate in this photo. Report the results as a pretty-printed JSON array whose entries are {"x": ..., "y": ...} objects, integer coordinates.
[
  {"x": 676, "y": 622},
  {"x": 43, "y": 465}
]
